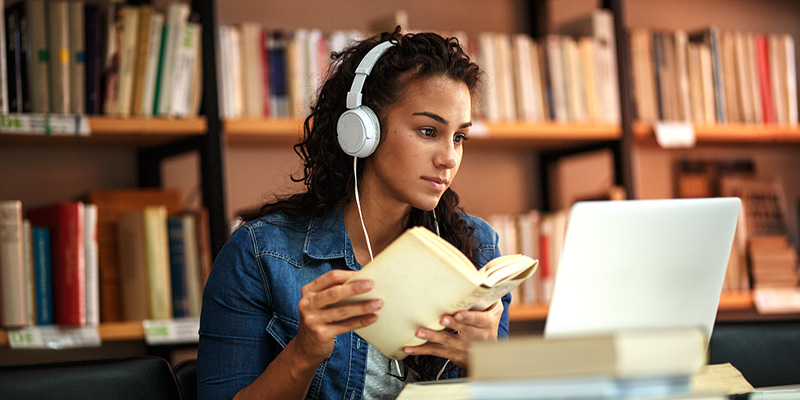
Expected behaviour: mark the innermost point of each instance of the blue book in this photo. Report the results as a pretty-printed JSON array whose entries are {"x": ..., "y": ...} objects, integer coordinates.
[
  {"x": 43, "y": 275},
  {"x": 177, "y": 266}
]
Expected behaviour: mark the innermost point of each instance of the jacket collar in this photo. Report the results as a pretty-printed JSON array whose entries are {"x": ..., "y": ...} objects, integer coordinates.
[{"x": 327, "y": 238}]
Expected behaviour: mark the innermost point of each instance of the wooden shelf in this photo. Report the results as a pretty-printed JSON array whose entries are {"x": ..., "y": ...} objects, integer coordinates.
[
  {"x": 729, "y": 302},
  {"x": 734, "y": 133},
  {"x": 109, "y": 332},
  {"x": 126, "y": 132},
  {"x": 545, "y": 136}
]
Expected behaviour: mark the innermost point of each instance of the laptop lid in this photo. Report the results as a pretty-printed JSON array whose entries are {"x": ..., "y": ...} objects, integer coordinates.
[{"x": 640, "y": 264}]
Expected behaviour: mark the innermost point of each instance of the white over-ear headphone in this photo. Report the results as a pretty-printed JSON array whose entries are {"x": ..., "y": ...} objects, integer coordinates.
[{"x": 358, "y": 129}]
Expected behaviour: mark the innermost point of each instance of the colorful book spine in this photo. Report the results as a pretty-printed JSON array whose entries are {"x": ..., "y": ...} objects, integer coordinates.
[
  {"x": 12, "y": 267},
  {"x": 43, "y": 275}
]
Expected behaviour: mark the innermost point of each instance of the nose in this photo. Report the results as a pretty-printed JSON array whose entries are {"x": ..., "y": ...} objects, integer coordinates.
[{"x": 447, "y": 156}]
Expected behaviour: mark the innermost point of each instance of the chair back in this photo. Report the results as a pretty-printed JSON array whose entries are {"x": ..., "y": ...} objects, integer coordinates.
[
  {"x": 186, "y": 374},
  {"x": 102, "y": 379}
]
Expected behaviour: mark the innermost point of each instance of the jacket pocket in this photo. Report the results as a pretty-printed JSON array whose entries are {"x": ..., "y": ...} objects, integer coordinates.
[{"x": 282, "y": 329}]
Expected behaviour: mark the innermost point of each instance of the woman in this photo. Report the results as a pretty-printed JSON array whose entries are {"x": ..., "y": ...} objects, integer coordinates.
[{"x": 269, "y": 325}]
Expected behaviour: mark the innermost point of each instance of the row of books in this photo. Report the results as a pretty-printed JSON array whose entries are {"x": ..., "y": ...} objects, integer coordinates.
[
  {"x": 569, "y": 77},
  {"x": 709, "y": 77},
  {"x": 62, "y": 58},
  {"x": 83, "y": 263},
  {"x": 756, "y": 261}
]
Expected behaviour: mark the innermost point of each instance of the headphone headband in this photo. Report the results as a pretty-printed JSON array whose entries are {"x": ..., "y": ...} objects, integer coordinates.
[{"x": 362, "y": 71}]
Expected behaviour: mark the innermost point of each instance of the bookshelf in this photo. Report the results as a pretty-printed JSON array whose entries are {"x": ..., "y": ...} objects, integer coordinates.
[{"x": 156, "y": 140}]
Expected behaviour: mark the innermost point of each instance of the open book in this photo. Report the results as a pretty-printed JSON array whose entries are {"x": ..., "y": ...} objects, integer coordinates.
[{"x": 420, "y": 277}]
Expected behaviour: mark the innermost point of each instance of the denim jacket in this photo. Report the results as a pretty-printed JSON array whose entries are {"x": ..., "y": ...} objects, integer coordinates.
[{"x": 250, "y": 303}]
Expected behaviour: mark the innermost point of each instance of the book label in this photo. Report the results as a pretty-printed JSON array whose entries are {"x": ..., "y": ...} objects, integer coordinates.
[
  {"x": 45, "y": 124},
  {"x": 54, "y": 337},
  {"x": 180, "y": 330},
  {"x": 671, "y": 135}
]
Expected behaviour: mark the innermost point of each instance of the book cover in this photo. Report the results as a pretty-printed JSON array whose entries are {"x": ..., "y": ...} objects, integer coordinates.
[
  {"x": 15, "y": 58},
  {"x": 30, "y": 276},
  {"x": 764, "y": 80},
  {"x": 144, "y": 264},
  {"x": 420, "y": 277},
  {"x": 92, "y": 264},
  {"x": 4, "y": 105},
  {"x": 38, "y": 56},
  {"x": 59, "y": 62},
  {"x": 77, "y": 58},
  {"x": 177, "y": 267},
  {"x": 43, "y": 275},
  {"x": 152, "y": 61},
  {"x": 176, "y": 18},
  {"x": 111, "y": 63},
  {"x": 183, "y": 69},
  {"x": 110, "y": 205},
  {"x": 127, "y": 59},
  {"x": 143, "y": 44},
  {"x": 66, "y": 223},
  {"x": 710, "y": 37},
  {"x": 252, "y": 69},
  {"x": 623, "y": 354},
  {"x": 12, "y": 267}
]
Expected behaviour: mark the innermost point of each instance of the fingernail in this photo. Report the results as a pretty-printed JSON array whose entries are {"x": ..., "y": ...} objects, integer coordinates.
[
  {"x": 408, "y": 350},
  {"x": 375, "y": 304},
  {"x": 446, "y": 321},
  {"x": 459, "y": 317},
  {"x": 421, "y": 334},
  {"x": 372, "y": 318},
  {"x": 365, "y": 285}
]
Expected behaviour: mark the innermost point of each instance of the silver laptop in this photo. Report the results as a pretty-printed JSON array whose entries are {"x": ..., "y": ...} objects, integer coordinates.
[{"x": 641, "y": 264}]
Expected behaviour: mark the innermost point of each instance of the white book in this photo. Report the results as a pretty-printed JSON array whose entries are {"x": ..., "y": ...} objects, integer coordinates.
[
  {"x": 681, "y": 55},
  {"x": 558, "y": 86},
  {"x": 183, "y": 70},
  {"x": 176, "y": 19},
  {"x": 314, "y": 67},
  {"x": 486, "y": 59},
  {"x": 223, "y": 73},
  {"x": 297, "y": 72},
  {"x": 707, "y": 75},
  {"x": 523, "y": 76},
  {"x": 695, "y": 83},
  {"x": 576, "y": 99},
  {"x": 505, "y": 67},
  {"x": 538, "y": 85},
  {"x": 151, "y": 66},
  {"x": 30, "y": 276},
  {"x": 592, "y": 87},
  {"x": 12, "y": 265},
  {"x": 77, "y": 62},
  {"x": 91, "y": 253},
  {"x": 252, "y": 70},
  {"x": 127, "y": 59},
  {"x": 236, "y": 78},
  {"x": 791, "y": 79},
  {"x": 777, "y": 72},
  {"x": 750, "y": 48}
]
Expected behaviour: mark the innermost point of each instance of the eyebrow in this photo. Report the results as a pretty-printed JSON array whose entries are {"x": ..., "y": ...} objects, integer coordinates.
[{"x": 441, "y": 120}]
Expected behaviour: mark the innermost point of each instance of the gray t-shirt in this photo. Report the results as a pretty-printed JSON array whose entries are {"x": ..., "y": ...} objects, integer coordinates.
[{"x": 379, "y": 384}]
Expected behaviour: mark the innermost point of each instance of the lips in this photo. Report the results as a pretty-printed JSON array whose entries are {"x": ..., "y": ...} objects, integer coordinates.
[{"x": 436, "y": 182}]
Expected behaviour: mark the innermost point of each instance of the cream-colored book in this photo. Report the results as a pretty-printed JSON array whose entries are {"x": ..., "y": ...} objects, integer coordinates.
[{"x": 420, "y": 277}]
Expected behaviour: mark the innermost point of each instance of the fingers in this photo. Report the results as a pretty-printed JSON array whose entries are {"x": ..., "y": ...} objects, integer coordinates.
[{"x": 330, "y": 288}]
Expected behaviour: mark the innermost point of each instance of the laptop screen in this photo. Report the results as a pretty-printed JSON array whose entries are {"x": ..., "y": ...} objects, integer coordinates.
[{"x": 642, "y": 264}]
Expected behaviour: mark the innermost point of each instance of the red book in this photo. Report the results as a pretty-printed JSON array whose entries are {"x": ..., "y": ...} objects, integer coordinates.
[
  {"x": 762, "y": 57},
  {"x": 65, "y": 221}
]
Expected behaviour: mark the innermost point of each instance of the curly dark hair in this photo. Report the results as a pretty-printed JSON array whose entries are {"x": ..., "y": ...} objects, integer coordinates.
[{"x": 328, "y": 171}]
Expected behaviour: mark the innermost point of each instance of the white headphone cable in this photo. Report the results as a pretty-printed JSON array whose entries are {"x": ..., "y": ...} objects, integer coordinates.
[{"x": 358, "y": 203}]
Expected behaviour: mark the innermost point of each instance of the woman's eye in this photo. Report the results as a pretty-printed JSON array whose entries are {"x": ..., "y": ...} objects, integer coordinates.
[
  {"x": 426, "y": 131},
  {"x": 460, "y": 138}
]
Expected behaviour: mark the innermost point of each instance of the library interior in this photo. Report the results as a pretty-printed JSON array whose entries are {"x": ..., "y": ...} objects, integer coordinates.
[{"x": 136, "y": 134}]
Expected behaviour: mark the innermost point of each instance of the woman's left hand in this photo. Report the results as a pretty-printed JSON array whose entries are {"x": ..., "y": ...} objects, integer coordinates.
[{"x": 468, "y": 326}]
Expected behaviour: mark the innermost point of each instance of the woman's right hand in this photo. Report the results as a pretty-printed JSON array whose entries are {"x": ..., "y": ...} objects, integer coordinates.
[{"x": 321, "y": 320}]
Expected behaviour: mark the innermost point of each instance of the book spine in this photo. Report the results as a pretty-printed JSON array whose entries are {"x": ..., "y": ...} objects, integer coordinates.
[
  {"x": 142, "y": 51},
  {"x": 93, "y": 60},
  {"x": 762, "y": 57},
  {"x": 127, "y": 59},
  {"x": 4, "y": 104},
  {"x": 177, "y": 17},
  {"x": 14, "y": 60},
  {"x": 28, "y": 270},
  {"x": 157, "y": 257},
  {"x": 58, "y": 43},
  {"x": 177, "y": 262},
  {"x": 12, "y": 267},
  {"x": 91, "y": 252},
  {"x": 65, "y": 221},
  {"x": 43, "y": 274},
  {"x": 77, "y": 58},
  {"x": 38, "y": 56},
  {"x": 151, "y": 68}
]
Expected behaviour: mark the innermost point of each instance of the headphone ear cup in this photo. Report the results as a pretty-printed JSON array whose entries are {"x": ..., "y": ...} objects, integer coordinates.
[{"x": 358, "y": 131}]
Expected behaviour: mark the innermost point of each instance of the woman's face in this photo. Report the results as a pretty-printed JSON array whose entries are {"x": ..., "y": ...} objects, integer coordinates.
[{"x": 422, "y": 143}]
